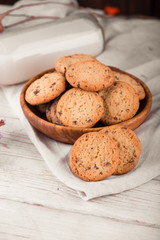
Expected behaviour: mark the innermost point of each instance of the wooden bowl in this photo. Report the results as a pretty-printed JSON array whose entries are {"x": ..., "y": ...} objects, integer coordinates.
[{"x": 69, "y": 134}]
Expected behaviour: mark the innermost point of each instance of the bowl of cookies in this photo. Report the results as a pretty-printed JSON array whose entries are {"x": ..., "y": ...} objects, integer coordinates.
[{"x": 81, "y": 95}]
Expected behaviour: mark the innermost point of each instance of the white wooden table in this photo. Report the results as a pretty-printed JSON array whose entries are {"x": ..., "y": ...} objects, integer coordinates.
[{"x": 35, "y": 205}]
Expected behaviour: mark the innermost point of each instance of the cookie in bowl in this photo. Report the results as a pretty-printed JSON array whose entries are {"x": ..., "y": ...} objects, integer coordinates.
[
  {"x": 45, "y": 88},
  {"x": 121, "y": 103},
  {"x": 79, "y": 108},
  {"x": 62, "y": 64},
  {"x": 90, "y": 76},
  {"x": 51, "y": 112},
  {"x": 130, "y": 80}
]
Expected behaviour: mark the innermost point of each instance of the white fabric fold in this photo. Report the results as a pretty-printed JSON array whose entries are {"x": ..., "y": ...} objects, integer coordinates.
[{"x": 142, "y": 61}]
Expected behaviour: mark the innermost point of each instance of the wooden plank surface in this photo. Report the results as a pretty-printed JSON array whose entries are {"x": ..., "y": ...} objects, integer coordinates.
[{"x": 34, "y": 204}]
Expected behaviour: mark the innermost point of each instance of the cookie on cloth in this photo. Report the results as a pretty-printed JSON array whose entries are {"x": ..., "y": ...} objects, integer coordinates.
[
  {"x": 63, "y": 63},
  {"x": 121, "y": 103},
  {"x": 46, "y": 88},
  {"x": 79, "y": 108},
  {"x": 94, "y": 156},
  {"x": 90, "y": 75},
  {"x": 136, "y": 85},
  {"x": 129, "y": 147},
  {"x": 51, "y": 112}
]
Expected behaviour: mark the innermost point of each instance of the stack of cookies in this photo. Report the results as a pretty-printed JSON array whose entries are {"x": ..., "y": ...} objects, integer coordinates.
[
  {"x": 81, "y": 92},
  {"x": 114, "y": 150}
]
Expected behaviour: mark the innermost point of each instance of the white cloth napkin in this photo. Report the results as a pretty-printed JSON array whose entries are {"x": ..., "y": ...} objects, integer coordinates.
[{"x": 132, "y": 45}]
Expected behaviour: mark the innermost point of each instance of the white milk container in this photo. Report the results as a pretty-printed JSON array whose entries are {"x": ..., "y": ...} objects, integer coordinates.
[{"x": 32, "y": 50}]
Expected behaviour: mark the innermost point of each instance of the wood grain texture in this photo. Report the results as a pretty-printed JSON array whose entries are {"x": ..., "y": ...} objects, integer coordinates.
[
  {"x": 35, "y": 205},
  {"x": 60, "y": 224},
  {"x": 69, "y": 134}
]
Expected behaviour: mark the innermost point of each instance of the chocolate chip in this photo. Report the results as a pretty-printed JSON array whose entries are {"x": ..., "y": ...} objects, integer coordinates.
[
  {"x": 100, "y": 106},
  {"x": 115, "y": 118},
  {"x": 36, "y": 91},
  {"x": 74, "y": 122},
  {"x": 95, "y": 166},
  {"x": 108, "y": 164},
  {"x": 52, "y": 85},
  {"x": 131, "y": 160},
  {"x": 88, "y": 168},
  {"x": 78, "y": 85},
  {"x": 89, "y": 120}
]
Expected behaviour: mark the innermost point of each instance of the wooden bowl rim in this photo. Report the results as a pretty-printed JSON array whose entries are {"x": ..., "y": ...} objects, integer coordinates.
[{"x": 75, "y": 129}]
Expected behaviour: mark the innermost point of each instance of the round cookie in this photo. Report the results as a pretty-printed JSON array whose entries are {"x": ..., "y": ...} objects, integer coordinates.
[
  {"x": 46, "y": 88},
  {"x": 79, "y": 108},
  {"x": 136, "y": 85},
  {"x": 94, "y": 156},
  {"x": 121, "y": 103},
  {"x": 90, "y": 76},
  {"x": 129, "y": 147},
  {"x": 51, "y": 112},
  {"x": 63, "y": 63}
]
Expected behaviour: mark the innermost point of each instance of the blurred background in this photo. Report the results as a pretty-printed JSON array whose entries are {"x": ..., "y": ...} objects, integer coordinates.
[{"x": 114, "y": 7}]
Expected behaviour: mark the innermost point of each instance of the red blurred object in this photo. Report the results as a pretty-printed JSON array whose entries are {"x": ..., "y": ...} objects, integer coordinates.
[
  {"x": 2, "y": 123},
  {"x": 111, "y": 10}
]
